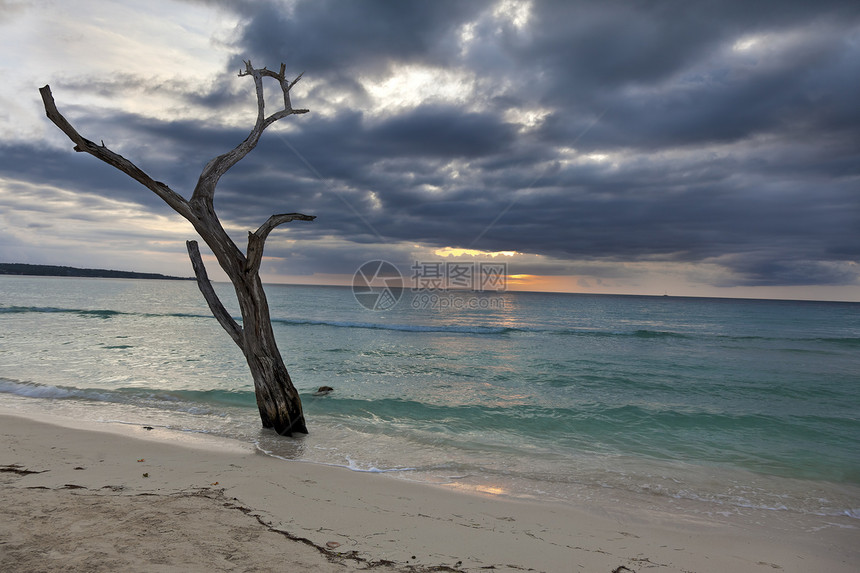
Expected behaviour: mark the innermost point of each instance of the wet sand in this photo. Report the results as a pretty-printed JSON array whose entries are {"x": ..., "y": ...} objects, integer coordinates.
[{"x": 102, "y": 497}]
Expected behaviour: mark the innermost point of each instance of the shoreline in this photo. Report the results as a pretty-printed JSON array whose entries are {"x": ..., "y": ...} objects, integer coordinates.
[
  {"x": 635, "y": 482},
  {"x": 109, "y": 496}
]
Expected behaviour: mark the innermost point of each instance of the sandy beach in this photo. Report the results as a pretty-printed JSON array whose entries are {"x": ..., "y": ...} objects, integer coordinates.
[{"x": 100, "y": 497}]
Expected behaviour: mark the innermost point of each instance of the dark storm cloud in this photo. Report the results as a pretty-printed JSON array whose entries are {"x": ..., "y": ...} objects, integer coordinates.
[
  {"x": 343, "y": 39},
  {"x": 432, "y": 132},
  {"x": 776, "y": 269},
  {"x": 66, "y": 169},
  {"x": 721, "y": 132}
]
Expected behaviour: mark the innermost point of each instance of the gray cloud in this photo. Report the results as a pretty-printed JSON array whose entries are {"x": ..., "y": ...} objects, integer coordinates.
[
  {"x": 663, "y": 135},
  {"x": 340, "y": 40}
]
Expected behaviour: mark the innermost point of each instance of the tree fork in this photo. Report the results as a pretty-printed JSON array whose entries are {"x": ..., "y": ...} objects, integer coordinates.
[{"x": 277, "y": 399}]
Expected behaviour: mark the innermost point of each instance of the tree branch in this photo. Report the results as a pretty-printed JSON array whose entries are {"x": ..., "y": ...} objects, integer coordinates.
[
  {"x": 205, "y": 189},
  {"x": 172, "y": 198},
  {"x": 277, "y": 399},
  {"x": 218, "y": 310},
  {"x": 257, "y": 239}
]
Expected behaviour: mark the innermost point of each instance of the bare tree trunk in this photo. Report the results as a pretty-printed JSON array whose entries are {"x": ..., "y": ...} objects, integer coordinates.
[{"x": 277, "y": 399}]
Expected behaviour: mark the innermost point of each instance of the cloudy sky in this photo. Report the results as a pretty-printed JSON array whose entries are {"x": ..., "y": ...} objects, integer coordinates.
[{"x": 689, "y": 148}]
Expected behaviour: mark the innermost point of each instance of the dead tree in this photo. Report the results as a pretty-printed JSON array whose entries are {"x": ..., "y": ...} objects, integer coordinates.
[{"x": 277, "y": 399}]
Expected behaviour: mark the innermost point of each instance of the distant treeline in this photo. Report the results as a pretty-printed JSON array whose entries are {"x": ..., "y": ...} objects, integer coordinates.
[{"x": 57, "y": 271}]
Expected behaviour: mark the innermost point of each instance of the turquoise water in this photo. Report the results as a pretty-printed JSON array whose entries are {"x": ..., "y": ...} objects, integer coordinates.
[{"x": 729, "y": 403}]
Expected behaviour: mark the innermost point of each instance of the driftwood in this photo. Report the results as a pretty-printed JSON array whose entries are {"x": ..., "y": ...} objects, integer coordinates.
[{"x": 277, "y": 399}]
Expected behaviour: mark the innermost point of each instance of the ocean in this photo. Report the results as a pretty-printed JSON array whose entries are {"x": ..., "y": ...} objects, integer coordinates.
[{"x": 722, "y": 405}]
